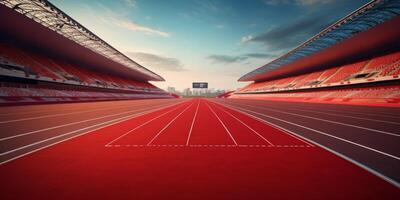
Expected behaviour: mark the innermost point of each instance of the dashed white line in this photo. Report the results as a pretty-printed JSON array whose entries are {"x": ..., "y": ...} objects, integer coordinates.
[{"x": 210, "y": 146}]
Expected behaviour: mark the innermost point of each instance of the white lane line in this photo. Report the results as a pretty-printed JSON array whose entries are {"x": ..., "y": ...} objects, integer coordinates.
[
  {"x": 59, "y": 114},
  {"x": 254, "y": 131},
  {"x": 141, "y": 125},
  {"x": 326, "y": 134},
  {"x": 376, "y": 173},
  {"x": 73, "y": 123},
  {"x": 233, "y": 139},
  {"x": 112, "y": 122},
  {"x": 283, "y": 130},
  {"x": 329, "y": 121},
  {"x": 340, "y": 115},
  {"x": 192, "y": 125},
  {"x": 166, "y": 126},
  {"x": 353, "y": 112}
]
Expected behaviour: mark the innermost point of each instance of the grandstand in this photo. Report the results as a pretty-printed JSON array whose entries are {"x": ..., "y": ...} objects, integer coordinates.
[
  {"x": 283, "y": 136},
  {"x": 356, "y": 59},
  {"x": 59, "y": 60}
]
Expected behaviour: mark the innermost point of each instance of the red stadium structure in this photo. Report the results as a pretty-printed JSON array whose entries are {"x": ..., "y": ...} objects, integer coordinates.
[
  {"x": 286, "y": 135},
  {"x": 356, "y": 60},
  {"x": 70, "y": 64}
]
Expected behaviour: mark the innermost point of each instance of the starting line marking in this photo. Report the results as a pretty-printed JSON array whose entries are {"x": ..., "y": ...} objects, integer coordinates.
[{"x": 211, "y": 145}]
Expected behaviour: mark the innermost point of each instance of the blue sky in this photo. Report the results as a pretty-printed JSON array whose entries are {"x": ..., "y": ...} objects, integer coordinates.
[{"x": 216, "y": 41}]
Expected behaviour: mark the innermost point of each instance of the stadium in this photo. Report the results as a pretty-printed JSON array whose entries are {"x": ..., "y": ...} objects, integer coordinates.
[{"x": 81, "y": 119}]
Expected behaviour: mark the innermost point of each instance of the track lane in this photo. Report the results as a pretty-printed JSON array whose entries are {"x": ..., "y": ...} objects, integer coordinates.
[
  {"x": 154, "y": 172},
  {"x": 384, "y": 165},
  {"x": 268, "y": 133},
  {"x": 371, "y": 138},
  {"x": 208, "y": 129},
  {"x": 34, "y": 111},
  {"x": 386, "y": 127},
  {"x": 149, "y": 130},
  {"x": 16, "y": 147},
  {"x": 21, "y": 127},
  {"x": 178, "y": 132},
  {"x": 374, "y": 112}
]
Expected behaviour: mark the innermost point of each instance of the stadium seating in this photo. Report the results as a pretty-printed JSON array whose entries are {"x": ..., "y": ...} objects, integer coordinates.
[
  {"x": 382, "y": 68},
  {"x": 383, "y": 94},
  {"x": 14, "y": 93},
  {"x": 22, "y": 63}
]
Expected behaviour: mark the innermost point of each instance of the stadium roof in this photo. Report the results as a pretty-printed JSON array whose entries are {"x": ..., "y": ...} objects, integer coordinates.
[
  {"x": 46, "y": 14},
  {"x": 368, "y": 16}
]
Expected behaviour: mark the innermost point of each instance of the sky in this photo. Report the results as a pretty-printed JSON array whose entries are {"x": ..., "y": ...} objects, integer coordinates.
[{"x": 214, "y": 41}]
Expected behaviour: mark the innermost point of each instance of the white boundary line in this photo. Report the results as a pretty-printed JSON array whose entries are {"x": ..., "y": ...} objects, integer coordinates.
[
  {"x": 169, "y": 123},
  {"x": 326, "y": 113},
  {"x": 112, "y": 122},
  {"x": 325, "y": 120},
  {"x": 78, "y": 122},
  {"x": 194, "y": 119},
  {"x": 254, "y": 131},
  {"x": 62, "y": 114},
  {"x": 283, "y": 130},
  {"x": 233, "y": 139},
  {"x": 376, "y": 173},
  {"x": 326, "y": 134},
  {"x": 336, "y": 111},
  {"x": 137, "y": 127}
]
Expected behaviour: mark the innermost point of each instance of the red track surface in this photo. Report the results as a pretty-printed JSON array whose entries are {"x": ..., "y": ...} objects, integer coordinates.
[{"x": 196, "y": 149}]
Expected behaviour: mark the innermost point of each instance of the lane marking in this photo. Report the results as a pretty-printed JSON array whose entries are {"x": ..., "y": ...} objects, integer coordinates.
[
  {"x": 365, "y": 167},
  {"x": 166, "y": 126},
  {"x": 141, "y": 125},
  {"x": 191, "y": 126},
  {"x": 326, "y": 134},
  {"x": 233, "y": 139},
  {"x": 75, "y": 131},
  {"x": 69, "y": 124},
  {"x": 339, "y": 111},
  {"x": 210, "y": 145},
  {"x": 325, "y": 120},
  {"x": 362, "y": 118},
  {"x": 60, "y": 114},
  {"x": 280, "y": 128},
  {"x": 254, "y": 131}
]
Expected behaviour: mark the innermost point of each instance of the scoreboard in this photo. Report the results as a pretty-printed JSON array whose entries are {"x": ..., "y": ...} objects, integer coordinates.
[{"x": 200, "y": 85}]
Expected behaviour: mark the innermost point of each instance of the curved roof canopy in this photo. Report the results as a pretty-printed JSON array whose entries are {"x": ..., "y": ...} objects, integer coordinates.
[
  {"x": 46, "y": 14},
  {"x": 368, "y": 16}
]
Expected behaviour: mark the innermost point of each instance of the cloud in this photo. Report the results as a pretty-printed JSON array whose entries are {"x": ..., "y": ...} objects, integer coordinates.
[
  {"x": 219, "y": 26},
  {"x": 217, "y": 58},
  {"x": 297, "y": 2},
  {"x": 120, "y": 19},
  {"x": 259, "y": 55},
  {"x": 127, "y": 24},
  {"x": 130, "y": 3},
  {"x": 157, "y": 61},
  {"x": 290, "y": 35},
  {"x": 226, "y": 58}
]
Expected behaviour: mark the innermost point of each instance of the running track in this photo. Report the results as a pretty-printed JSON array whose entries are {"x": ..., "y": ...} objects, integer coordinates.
[{"x": 195, "y": 149}]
